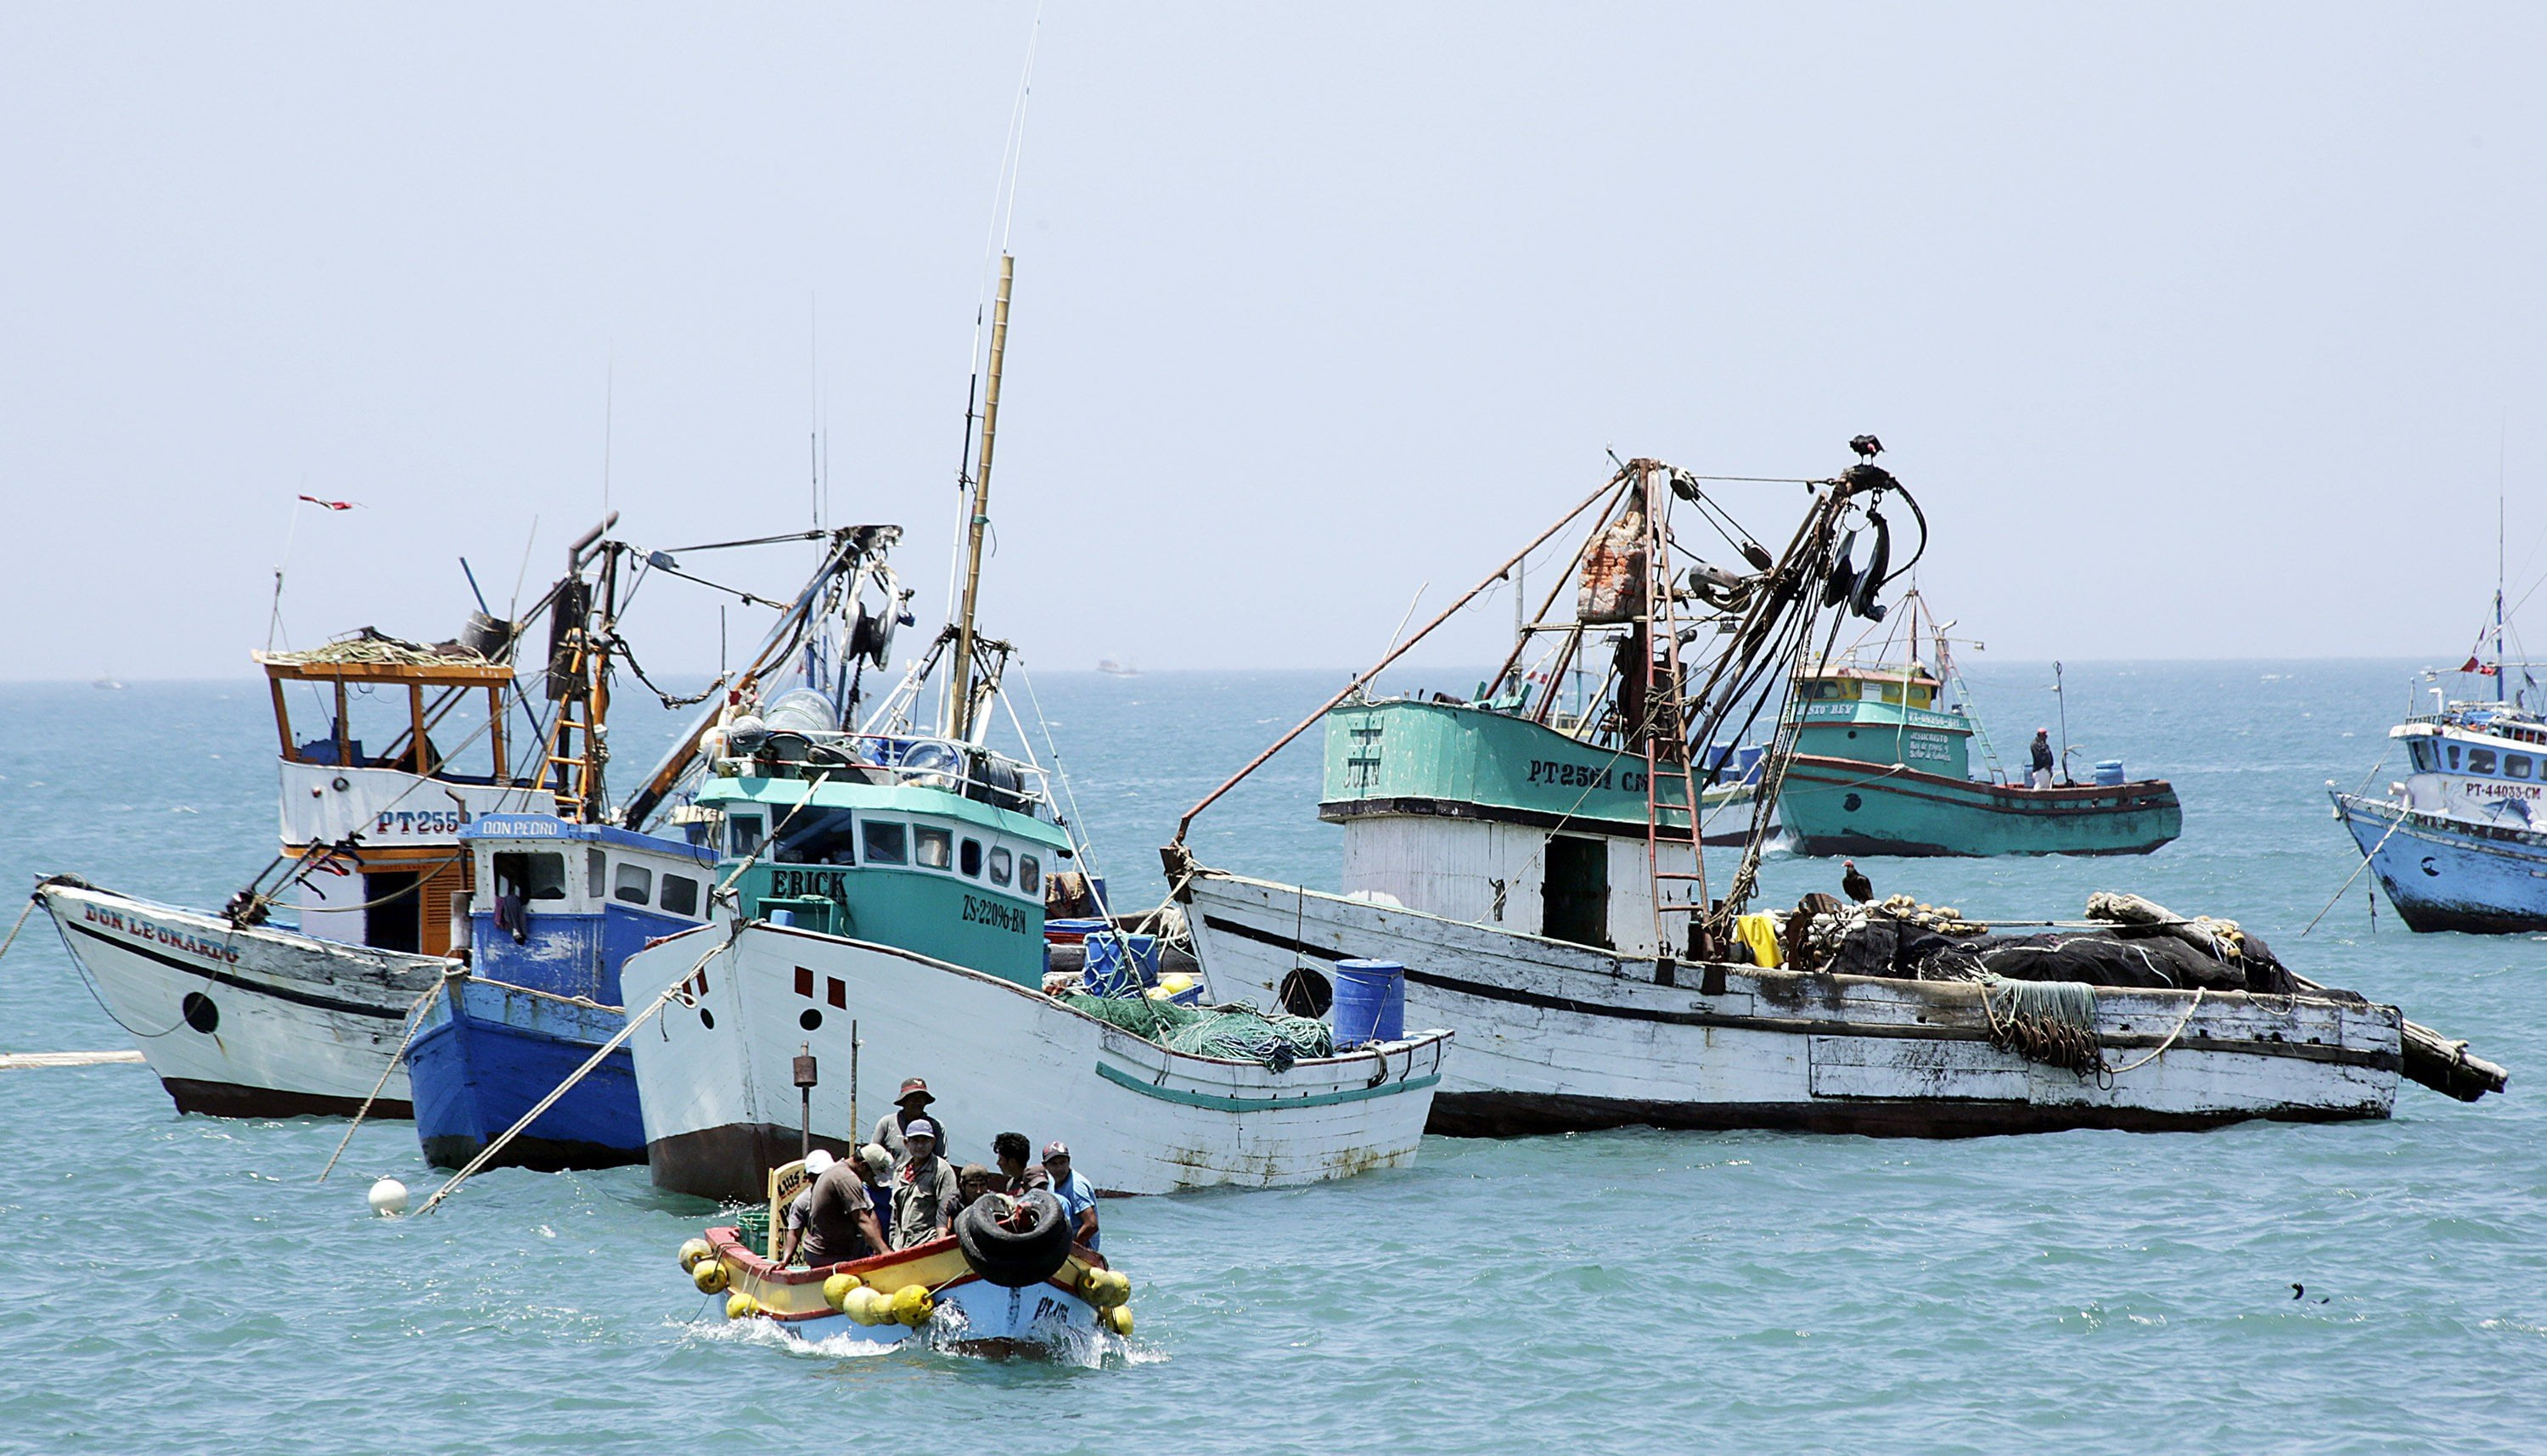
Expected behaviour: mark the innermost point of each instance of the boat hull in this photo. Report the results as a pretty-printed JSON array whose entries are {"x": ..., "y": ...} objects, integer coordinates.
[
  {"x": 721, "y": 1108},
  {"x": 1844, "y": 806},
  {"x": 1556, "y": 1037},
  {"x": 256, "y": 1022},
  {"x": 2446, "y": 874},
  {"x": 486, "y": 1053}
]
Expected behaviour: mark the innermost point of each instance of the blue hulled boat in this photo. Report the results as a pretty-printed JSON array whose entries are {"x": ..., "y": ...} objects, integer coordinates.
[
  {"x": 559, "y": 906},
  {"x": 2461, "y": 843}
]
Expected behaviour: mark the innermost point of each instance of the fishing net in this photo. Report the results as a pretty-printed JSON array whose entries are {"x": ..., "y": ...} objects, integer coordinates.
[{"x": 1235, "y": 1033}]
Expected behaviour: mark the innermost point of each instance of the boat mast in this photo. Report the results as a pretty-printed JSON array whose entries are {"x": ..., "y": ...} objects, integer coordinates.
[
  {"x": 2498, "y": 594},
  {"x": 959, "y": 699}
]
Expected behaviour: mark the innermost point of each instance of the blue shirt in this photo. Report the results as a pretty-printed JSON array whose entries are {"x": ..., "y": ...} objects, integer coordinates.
[{"x": 1076, "y": 1193}]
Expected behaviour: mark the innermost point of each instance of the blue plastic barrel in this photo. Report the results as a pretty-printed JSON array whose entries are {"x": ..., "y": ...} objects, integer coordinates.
[
  {"x": 1370, "y": 1001},
  {"x": 1120, "y": 965},
  {"x": 2109, "y": 772}
]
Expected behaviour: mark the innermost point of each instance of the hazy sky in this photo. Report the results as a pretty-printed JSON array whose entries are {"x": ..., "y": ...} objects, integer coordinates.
[{"x": 2198, "y": 329}]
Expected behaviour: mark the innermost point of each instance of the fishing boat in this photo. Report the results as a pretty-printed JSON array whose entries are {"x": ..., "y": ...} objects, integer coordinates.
[
  {"x": 1883, "y": 766},
  {"x": 2460, "y": 843},
  {"x": 560, "y": 903},
  {"x": 1547, "y": 900},
  {"x": 1006, "y": 1280},
  {"x": 882, "y": 890},
  {"x": 243, "y": 1017}
]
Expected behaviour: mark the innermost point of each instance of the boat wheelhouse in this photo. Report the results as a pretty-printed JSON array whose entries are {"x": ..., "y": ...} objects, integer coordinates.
[{"x": 559, "y": 906}]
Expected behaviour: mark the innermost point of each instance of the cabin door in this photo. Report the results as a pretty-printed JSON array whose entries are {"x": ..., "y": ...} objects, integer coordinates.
[
  {"x": 393, "y": 919},
  {"x": 1575, "y": 894}
]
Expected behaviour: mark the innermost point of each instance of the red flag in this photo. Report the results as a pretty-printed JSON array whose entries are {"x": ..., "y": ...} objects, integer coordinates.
[
  {"x": 2481, "y": 669},
  {"x": 333, "y": 505}
]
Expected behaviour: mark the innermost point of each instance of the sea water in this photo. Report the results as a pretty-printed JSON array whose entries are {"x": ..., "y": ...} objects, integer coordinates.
[{"x": 185, "y": 1283}]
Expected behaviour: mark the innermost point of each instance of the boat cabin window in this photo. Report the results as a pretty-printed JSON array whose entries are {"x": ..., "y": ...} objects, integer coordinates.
[
  {"x": 633, "y": 884},
  {"x": 1029, "y": 875},
  {"x": 936, "y": 847},
  {"x": 883, "y": 843},
  {"x": 742, "y": 835},
  {"x": 1000, "y": 863},
  {"x": 972, "y": 858},
  {"x": 593, "y": 865},
  {"x": 2516, "y": 765},
  {"x": 681, "y": 895},
  {"x": 530, "y": 877},
  {"x": 2422, "y": 752},
  {"x": 1822, "y": 690},
  {"x": 818, "y": 837},
  {"x": 2454, "y": 757},
  {"x": 2479, "y": 760}
]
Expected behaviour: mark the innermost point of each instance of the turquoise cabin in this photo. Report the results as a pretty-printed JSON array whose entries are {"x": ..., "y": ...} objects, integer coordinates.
[{"x": 925, "y": 844}]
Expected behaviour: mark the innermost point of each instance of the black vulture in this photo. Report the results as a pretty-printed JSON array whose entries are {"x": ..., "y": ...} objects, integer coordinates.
[
  {"x": 1867, "y": 445},
  {"x": 1854, "y": 881}
]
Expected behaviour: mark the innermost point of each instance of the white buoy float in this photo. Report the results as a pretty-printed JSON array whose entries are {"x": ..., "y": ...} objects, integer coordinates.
[{"x": 389, "y": 1198}]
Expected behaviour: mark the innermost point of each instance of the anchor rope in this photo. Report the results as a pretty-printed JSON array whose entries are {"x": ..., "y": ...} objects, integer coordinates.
[{"x": 414, "y": 1022}]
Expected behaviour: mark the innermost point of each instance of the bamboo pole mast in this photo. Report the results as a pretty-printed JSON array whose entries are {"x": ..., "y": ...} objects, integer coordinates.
[{"x": 959, "y": 703}]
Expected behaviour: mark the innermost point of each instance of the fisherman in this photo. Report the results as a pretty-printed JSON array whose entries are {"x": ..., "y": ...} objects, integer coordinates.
[
  {"x": 838, "y": 1222},
  {"x": 909, "y": 1108},
  {"x": 875, "y": 1170},
  {"x": 791, "y": 1222},
  {"x": 1077, "y": 1197},
  {"x": 974, "y": 1182},
  {"x": 1018, "y": 1176},
  {"x": 923, "y": 1187},
  {"x": 2042, "y": 777}
]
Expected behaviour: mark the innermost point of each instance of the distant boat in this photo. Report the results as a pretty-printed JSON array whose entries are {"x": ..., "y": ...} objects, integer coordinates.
[
  {"x": 2461, "y": 841},
  {"x": 1881, "y": 766},
  {"x": 109, "y": 683},
  {"x": 1112, "y": 668}
]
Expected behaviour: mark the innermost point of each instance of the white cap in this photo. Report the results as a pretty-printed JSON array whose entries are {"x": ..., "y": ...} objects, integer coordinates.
[
  {"x": 819, "y": 1162},
  {"x": 920, "y": 1127}
]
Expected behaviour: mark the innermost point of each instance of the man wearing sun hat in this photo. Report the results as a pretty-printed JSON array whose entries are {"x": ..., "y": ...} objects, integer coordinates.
[{"x": 910, "y": 1106}]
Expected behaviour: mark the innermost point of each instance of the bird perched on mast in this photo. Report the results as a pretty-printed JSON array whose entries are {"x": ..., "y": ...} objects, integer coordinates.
[
  {"x": 1867, "y": 446},
  {"x": 1853, "y": 880}
]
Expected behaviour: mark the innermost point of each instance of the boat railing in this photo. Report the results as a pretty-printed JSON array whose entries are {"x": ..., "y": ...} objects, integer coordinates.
[{"x": 907, "y": 760}]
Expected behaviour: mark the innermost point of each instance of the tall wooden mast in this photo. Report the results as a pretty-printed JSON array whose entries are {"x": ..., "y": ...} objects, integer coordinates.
[{"x": 960, "y": 702}]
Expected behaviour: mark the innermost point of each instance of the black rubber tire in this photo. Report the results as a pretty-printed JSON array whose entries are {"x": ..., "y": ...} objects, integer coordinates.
[{"x": 1014, "y": 1259}]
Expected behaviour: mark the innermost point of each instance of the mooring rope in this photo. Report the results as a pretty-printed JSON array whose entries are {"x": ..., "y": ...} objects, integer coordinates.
[
  {"x": 414, "y": 1021},
  {"x": 2181, "y": 1023},
  {"x": 488, "y": 1154},
  {"x": 31, "y": 902},
  {"x": 2399, "y": 823}
]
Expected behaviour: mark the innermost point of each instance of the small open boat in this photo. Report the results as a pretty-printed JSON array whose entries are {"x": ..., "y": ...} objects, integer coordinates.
[{"x": 1008, "y": 1281}]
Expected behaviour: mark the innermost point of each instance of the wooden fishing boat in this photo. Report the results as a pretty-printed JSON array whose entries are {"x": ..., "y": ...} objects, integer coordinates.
[
  {"x": 1547, "y": 902},
  {"x": 242, "y": 1017},
  {"x": 1013, "y": 1286}
]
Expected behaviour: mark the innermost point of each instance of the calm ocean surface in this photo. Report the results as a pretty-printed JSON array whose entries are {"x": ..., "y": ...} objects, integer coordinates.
[{"x": 182, "y": 1284}]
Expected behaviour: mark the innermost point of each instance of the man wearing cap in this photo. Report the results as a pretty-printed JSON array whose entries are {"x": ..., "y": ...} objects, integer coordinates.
[
  {"x": 831, "y": 1220},
  {"x": 1077, "y": 1197},
  {"x": 875, "y": 1170},
  {"x": 2042, "y": 775},
  {"x": 910, "y": 1106},
  {"x": 923, "y": 1187}
]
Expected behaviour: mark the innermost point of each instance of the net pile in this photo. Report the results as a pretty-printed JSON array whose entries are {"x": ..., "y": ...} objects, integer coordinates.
[{"x": 1234, "y": 1033}]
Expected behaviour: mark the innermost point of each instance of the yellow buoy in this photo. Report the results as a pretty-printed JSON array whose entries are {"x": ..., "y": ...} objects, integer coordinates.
[
  {"x": 865, "y": 1305},
  {"x": 912, "y": 1305},
  {"x": 741, "y": 1305},
  {"x": 838, "y": 1288},
  {"x": 693, "y": 1250},
  {"x": 1105, "y": 1288},
  {"x": 709, "y": 1275},
  {"x": 1119, "y": 1319}
]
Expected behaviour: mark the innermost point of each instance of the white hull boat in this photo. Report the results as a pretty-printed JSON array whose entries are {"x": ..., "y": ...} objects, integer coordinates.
[
  {"x": 246, "y": 1022},
  {"x": 1556, "y": 1037},
  {"x": 714, "y": 1080}
]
